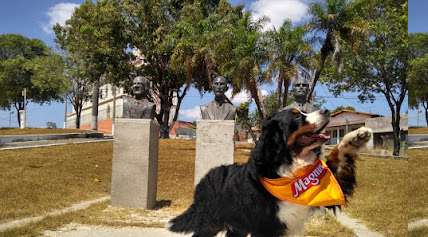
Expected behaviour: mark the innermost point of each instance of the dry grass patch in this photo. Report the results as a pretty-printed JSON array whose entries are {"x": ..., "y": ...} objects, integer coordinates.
[
  {"x": 33, "y": 131},
  {"x": 380, "y": 198},
  {"x": 418, "y": 190},
  {"x": 35, "y": 181},
  {"x": 326, "y": 225},
  {"x": 422, "y": 232},
  {"x": 418, "y": 130}
]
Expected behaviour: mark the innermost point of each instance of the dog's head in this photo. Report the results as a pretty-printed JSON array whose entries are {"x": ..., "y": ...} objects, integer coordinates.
[{"x": 287, "y": 136}]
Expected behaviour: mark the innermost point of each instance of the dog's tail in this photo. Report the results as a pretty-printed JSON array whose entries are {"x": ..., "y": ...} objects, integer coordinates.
[{"x": 185, "y": 222}]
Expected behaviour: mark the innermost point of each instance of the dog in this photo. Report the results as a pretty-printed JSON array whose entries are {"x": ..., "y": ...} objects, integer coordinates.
[{"x": 232, "y": 199}]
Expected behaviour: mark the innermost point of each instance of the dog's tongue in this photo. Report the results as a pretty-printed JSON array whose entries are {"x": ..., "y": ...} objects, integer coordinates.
[{"x": 321, "y": 137}]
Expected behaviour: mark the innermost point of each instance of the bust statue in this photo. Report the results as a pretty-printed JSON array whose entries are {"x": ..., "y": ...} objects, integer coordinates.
[
  {"x": 220, "y": 108},
  {"x": 138, "y": 106},
  {"x": 300, "y": 92}
]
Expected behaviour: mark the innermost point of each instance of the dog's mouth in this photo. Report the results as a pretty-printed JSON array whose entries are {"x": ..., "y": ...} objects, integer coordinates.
[{"x": 308, "y": 139}]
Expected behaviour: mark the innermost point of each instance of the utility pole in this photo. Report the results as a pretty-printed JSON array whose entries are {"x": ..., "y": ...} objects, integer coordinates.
[
  {"x": 65, "y": 110},
  {"x": 10, "y": 119},
  {"x": 23, "y": 113},
  {"x": 113, "y": 90}
]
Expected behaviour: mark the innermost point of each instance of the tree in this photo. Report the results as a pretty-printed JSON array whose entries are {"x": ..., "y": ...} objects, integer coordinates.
[
  {"x": 339, "y": 21},
  {"x": 79, "y": 87},
  {"x": 96, "y": 36},
  {"x": 240, "y": 54},
  {"x": 418, "y": 84},
  {"x": 29, "y": 63},
  {"x": 418, "y": 75},
  {"x": 245, "y": 120},
  {"x": 287, "y": 51},
  {"x": 380, "y": 64}
]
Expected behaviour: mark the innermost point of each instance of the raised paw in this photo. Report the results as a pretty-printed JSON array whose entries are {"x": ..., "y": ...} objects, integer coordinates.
[{"x": 357, "y": 138}]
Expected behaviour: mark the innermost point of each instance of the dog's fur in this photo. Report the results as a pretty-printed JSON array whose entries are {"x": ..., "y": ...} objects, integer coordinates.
[{"x": 232, "y": 198}]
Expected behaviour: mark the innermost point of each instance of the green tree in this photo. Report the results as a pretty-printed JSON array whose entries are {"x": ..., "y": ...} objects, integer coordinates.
[
  {"x": 418, "y": 77},
  {"x": 244, "y": 118},
  {"x": 240, "y": 55},
  {"x": 340, "y": 22},
  {"x": 380, "y": 64},
  {"x": 96, "y": 37},
  {"x": 287, "y": 51},
  {"x": 418, "y": 84},
  {"x": 29, "y": 63}
]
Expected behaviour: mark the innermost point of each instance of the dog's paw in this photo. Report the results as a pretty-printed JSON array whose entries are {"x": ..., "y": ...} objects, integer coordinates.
[{"x": 356, "y": 139}]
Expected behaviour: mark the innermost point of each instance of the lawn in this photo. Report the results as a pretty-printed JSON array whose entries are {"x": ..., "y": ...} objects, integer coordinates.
[
  {"x": 31, "y": 131},
  {"x": 55, "y": 177},
  {"x": 380, "y": 198},
  {"x": 418, "y": 189},
  {"x": 34, "y": 181},
  {"x": 418, "y": 130}
]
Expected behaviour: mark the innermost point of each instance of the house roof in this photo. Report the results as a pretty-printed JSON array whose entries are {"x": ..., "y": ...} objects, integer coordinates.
[
  {"x": 356, "y": 112},
  {"x": 349, "y": 117}
]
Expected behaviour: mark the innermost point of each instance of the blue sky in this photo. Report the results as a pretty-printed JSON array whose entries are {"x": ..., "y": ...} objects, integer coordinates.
[{"x": 34, "y": 19}]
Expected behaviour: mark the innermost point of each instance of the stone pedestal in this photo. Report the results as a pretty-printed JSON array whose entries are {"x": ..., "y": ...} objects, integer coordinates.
[
  {"x": 214, "y": 145},
  {"x": 135, "y": 163}
]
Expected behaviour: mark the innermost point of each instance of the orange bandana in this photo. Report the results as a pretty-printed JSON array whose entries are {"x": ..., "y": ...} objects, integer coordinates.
[{"x": 314, "y": 185}]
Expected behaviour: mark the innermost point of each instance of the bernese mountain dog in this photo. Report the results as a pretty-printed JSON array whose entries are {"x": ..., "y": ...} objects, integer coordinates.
[{"x": 231, "y": 198}]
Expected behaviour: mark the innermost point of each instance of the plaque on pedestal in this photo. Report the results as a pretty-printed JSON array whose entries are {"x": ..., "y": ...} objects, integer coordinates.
[
  {"x": 214, "y": 145},
  {"x": 135, "y": 161}
]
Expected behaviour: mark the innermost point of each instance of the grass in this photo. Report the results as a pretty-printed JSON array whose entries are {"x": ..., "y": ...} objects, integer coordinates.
[
  {"x": 418, "y": 190},
  {"x": 422, "y": 232},
  {"x": 51, "y": 178},
  {"x": 418, "y": 130},
  {"x": 32, "y": 131},
  {"x": 35, "y": 181},
  {"x": 380, "y": 198}
]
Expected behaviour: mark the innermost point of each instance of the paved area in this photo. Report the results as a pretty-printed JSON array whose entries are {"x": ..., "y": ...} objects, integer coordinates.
[
  {"x": 75, "y": 230},
  {"x": 355, "y": 225},
  {"x": 45, "y": 143},
  {"x": 417, "y": 224},
  {"x": 72, "y": 208}
]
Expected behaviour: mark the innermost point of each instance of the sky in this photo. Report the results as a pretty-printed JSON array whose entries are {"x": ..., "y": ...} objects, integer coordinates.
[{"x": 34, "y": 19}]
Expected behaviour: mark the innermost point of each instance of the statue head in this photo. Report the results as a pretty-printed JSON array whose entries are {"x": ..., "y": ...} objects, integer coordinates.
[
  {"x": 300, "y": 90},
  {"x": 219, "y": 86},
  {"x": 140, "y": 87}
]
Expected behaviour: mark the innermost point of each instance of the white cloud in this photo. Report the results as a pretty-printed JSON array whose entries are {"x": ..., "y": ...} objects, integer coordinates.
[
  {"x": 279, "y": 10},
  {"x": 191, "y": 114},
  {"x": 59, "y": 13},
  {"x": 239, "y": 98}
]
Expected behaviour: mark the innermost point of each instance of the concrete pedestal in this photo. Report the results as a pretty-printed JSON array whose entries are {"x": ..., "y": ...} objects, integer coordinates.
[
  {"x": 214, "y": 145},
  {"x": 135, "y": 163}
]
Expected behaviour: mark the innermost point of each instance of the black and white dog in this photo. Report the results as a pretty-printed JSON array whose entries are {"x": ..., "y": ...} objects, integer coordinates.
[{"x": 232, "y": 199}]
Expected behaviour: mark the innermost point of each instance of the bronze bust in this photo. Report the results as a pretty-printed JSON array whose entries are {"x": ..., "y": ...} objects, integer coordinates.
[
  {"x": 300, "y": 92},
  {"x": 138, "y": 106},
  {"x": 220, "y": 108}
]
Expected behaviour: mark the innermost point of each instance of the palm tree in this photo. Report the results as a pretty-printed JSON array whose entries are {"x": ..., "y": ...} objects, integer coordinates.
[
  {"x": 249, "y": 55},
  {"x": 287, "y": 50},
  {"x": 339, "y": 22}
]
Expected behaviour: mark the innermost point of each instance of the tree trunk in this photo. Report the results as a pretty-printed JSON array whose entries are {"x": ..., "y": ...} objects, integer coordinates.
[
  {"x": 78, "y": 113},
  {"x": 254, "y": 93},
  {"x": 18, "y": 117},
  {"x": 164, "y": 126},
  {"x": 279, "y": 90},
  {"x": 396, "y": 132},
  {"x": 316, "y": 78},
  {"x": 286, "y": 87},
  {"x": 95, "y": 97},
  {"x": 425, "y": 105}
]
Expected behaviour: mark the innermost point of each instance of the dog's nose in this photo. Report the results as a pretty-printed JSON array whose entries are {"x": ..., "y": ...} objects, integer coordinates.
[{"x": 325, "y": 112}]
